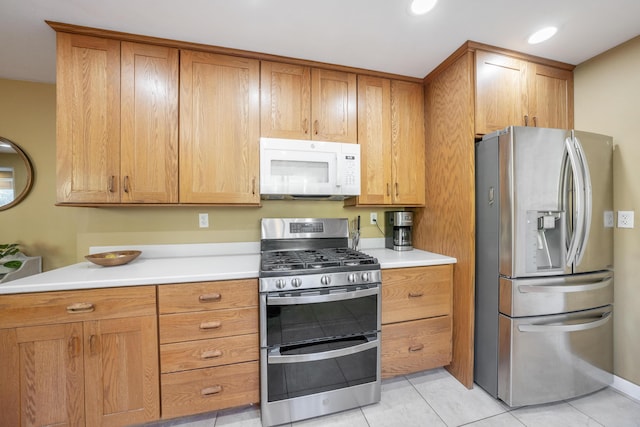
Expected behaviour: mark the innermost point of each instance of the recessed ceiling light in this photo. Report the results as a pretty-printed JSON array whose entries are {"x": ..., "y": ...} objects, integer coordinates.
[
  {"x": 542, "y": 35},
  {"x": 420, "y": 7}
]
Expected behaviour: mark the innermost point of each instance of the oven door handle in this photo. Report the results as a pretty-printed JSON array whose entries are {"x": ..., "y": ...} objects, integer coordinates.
[
  {"x": 330, "y": 297},
  {"x": 274, "y": 356}
]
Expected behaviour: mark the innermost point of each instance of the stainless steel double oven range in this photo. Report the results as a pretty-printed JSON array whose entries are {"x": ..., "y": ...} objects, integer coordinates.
[{"x": 319, "y": 320}]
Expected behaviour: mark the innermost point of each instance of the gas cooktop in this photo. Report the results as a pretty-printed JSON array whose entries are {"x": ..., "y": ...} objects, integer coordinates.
[{"x": 314, "y": 260}]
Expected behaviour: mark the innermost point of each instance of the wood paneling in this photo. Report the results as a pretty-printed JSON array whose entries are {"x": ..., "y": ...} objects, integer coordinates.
[{"x": 447, "y": 224}]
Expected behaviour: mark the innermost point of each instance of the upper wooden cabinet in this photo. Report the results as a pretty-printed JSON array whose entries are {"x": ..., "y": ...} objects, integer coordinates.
[
  {"x": 515, "y": 91},
  {"x": 299, "y": 102},
  {"x": 219, "y": 128},
  {"x": 117, "y": 115},
  {"x": 285, "y": 100},
  {"x": 391, "y": 136},
  {"x": 88, "y": 119}
]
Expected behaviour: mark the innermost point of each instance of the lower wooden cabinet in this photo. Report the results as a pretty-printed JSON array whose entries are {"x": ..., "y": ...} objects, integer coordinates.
[
  {"x": 90, "y": 361},
  {"x": 209, "y": 346},
  {"x": 202, "y": 390},
  {"x": 415, "y": 346},
  {"x": 416, "y": 319}
]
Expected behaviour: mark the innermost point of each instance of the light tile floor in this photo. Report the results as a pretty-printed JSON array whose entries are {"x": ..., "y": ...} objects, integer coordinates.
[{"x": 435, "y": 399}]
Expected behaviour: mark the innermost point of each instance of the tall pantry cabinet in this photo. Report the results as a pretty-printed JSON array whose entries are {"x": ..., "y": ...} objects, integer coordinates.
[{"x": 462, "y": 102}]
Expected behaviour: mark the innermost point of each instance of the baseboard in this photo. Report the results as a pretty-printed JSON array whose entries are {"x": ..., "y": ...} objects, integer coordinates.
[{"x": 626, "y": 387}]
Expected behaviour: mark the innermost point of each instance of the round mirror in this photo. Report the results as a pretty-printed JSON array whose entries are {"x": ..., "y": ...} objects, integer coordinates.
[{"x": 16, "y": 174}]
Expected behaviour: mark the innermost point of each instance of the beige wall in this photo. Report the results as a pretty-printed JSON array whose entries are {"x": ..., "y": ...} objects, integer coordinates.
[
  {"x": 607, "y": 100},
  {"x": 63, "y": 235}
]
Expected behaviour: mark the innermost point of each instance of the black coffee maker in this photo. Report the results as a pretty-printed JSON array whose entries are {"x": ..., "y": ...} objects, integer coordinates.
[{"x": 398, "y": 227}]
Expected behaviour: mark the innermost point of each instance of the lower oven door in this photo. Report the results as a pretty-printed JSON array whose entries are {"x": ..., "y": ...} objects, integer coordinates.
[
  {"x": 550, "y": 358},
  {"x": 320, "y": 351}
]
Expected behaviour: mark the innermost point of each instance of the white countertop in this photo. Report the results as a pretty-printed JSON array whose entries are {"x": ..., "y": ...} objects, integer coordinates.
[{"x": 195, "y": 263}]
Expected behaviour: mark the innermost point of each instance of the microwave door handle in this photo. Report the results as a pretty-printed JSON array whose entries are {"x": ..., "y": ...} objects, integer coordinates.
[{"x": 339, "y": 166}]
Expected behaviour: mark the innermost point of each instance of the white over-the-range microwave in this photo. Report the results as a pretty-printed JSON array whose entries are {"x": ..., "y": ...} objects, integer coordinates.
[{"x": 301, "y": 169}]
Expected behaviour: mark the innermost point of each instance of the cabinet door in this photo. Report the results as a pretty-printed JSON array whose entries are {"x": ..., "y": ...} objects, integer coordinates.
[
  {"x": 121, "y": 361},
  {"x": 149, "y": 125},
  {"x": 219, "y": 128},
  {"x": 407, "y": 143},
  {"x": 333, "y": 108},
  {"x": 285, "y": 98},
  {"x": 42, "y": 376},
  {"x": 88, "y": 119},
  {"x": 550, "y": 97},
  {"x": 374, "y": 137},
  {"x": 501, "y": 92}
]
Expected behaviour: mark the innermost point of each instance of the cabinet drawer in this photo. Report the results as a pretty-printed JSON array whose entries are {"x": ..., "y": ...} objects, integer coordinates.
[
  {"x": 208, "y": 324},
  {"x": 416, "y": 293},
  {"x": 203, "y": 390},
  {"x": 415, "y": 346},
  {"x": 207, "y": 296},
  {"x": 207, "y": 353},
  {"x": 72, "y": 306}
]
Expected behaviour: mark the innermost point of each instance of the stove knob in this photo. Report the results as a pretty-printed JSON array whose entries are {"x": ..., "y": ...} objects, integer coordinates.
[
  {"x": 280, "y": 283},
  {"x": 296, "y": 282},
  {"x": 325, "y": 280},
  {"x": 352, "y": 278},
  {"x": 366, "y": 277}
]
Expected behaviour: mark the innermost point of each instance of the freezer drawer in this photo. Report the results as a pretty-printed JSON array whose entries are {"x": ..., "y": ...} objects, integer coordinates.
[
  {"x": 549, "y": 358},
  {"x": 536, "y": 297}
]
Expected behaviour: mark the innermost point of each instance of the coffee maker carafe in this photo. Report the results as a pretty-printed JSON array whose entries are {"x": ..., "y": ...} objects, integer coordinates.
[{"x": 398, "y": 230}]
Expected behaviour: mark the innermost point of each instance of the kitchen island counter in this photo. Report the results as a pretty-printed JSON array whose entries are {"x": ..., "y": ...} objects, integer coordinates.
[{"x": 207, "y": 263}]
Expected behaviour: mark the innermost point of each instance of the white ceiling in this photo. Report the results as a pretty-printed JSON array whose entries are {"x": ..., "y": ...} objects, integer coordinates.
[{"x": 371, "y": 34}]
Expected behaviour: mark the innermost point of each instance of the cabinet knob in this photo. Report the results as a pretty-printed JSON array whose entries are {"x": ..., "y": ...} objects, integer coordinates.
[
  {"x": 415, "y": 294},
  {"x": 535, "y": 121},
  {"x": 526, "y": 120},
  {"x": 211, "y": 354},
  {"x": 316, "y": 125},
  {"x": 126, "y": 183},
  {"x": 111, "y": 186},
  {"x": 305, "y": 126}
]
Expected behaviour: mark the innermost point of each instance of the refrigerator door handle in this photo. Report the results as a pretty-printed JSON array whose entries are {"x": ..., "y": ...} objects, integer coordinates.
[
  {"x": 588, "y": 197},
  {"x": 567, "y": 327},
  {"x": 564, "y": 289},
  {"x": 579, "y": 202}
]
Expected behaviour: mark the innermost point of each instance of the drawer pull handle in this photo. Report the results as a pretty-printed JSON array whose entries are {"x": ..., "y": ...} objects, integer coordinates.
[
  {"x": 80, "y": 307},
  {"x": 209, "y": 391},
  {"x": 209, "y": 297},
  {"x": 417, "y": 347},
  {"x": 214, "y": 324},
  {"x": 211, "y": 354},
  {"x": 415, "y": 294}
]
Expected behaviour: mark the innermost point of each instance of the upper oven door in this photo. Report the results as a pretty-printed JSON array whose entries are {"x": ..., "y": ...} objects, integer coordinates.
[
  {"x": 308, "y": 168},
  {"x": 301, "y": 316}
]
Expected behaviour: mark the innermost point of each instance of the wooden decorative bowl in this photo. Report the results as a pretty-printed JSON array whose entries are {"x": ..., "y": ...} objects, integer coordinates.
[{"x": 109, "y": 259}]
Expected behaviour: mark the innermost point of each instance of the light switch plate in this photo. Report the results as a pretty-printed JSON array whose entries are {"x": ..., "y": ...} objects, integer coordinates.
[{"x": 608, "y": 219}]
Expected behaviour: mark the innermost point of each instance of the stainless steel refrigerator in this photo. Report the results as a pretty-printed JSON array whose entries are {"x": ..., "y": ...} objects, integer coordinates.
[{"x": 544, "y": 264}]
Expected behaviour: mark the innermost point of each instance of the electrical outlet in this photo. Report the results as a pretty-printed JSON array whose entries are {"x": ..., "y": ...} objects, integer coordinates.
[
  {"x": 625, "y": 219},
  {"x": 608, "y": 219},
  {"x": 373, "y": 218},
  {"x": 203, "y": 220}
]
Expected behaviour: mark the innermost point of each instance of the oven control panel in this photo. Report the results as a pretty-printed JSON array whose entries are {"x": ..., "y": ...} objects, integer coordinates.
[{"x": 312, "y": 281}]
